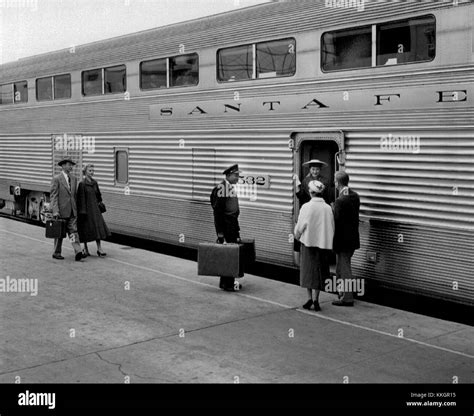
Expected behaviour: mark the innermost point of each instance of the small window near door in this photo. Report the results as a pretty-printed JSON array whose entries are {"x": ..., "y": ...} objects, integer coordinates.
[{"x": 121, "y": 166}]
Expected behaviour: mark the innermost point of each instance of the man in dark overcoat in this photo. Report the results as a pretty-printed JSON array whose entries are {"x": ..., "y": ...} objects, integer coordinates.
[
  {"x": 225, "y": 203},
  {"x": 63, "y": 203},
  {"x": 346, "y": 234}
]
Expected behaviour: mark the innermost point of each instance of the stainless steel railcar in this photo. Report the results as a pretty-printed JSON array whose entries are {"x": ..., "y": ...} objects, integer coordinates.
[{"x": 382, "y": 89}]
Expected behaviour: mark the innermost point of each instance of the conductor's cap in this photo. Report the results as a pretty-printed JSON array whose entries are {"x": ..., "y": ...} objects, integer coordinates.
[{"x": 232, "y": 169}]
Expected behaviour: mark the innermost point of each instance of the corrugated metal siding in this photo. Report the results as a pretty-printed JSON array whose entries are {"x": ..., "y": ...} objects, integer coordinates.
[
  {"x": 434, "y": 187},
  {"x": 161, "y": 164},
  {"x": 421, "y": 211},
  {"x": 264, "y": 21},
  {"x": 429, "y": 261},
  {"x": 26, "y": 158},
  {"x": 169, "y": 220}
]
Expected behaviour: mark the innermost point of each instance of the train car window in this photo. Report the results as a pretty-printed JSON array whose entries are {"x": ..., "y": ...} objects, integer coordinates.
[
  {"x": 235, "y": 64},
  {"x": 276, "y": 59},
  {"x": 184, "y": 70},
  {"x": 92, "y": 82},
  {"x": 347, "y": 49},
  {"x": 121, "y": 166},
  {"x": 153, "y": 74},
  {"x": 20, "y": 90},
  {"x": 44, "y": 89},
  {"x": 6, "y": 94},
  {"x": 62, "y": 86},
  {"x": 115, "y": 79},
  {"x": 406, "y": 41}
]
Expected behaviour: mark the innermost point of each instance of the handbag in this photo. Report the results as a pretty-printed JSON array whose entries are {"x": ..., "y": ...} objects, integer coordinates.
[
  {"x": 55, "y": 228},
  {"x": 101, "y": 205},
  {"x": 102, "y": 208}
]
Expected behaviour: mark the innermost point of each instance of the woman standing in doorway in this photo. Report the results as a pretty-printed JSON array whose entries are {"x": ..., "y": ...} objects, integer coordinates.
[{"x": 91, "y": 225}]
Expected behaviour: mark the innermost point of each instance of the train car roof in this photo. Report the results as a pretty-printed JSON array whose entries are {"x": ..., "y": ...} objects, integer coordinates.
[{"x": 276, "y": 19}]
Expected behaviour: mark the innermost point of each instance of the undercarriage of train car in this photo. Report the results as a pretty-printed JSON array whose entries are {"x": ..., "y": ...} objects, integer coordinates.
[{"x": 27, "y": 203}]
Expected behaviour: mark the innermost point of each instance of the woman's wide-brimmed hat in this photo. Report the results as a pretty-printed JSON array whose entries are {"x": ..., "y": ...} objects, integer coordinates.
[{"x": 315, "y": 162}]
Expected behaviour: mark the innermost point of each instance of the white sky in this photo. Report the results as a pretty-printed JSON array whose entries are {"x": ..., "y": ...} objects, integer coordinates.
[{"x": 31, "y": 27}]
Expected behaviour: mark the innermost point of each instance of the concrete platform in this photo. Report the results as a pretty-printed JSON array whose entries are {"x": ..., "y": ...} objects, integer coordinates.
[{"x": 148, "y": 318}]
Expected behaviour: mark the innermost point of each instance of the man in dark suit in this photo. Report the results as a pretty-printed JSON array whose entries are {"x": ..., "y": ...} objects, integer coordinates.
[
  {"x": 225, "y": 203},
  {"x": 346, "y": 234},
  {"x": 63, "y": 203}
]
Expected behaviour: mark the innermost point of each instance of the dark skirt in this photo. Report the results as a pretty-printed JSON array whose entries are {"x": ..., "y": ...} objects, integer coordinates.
[
  {"x": 90, "y": 227},
  {"x": 314, "y": 267}
]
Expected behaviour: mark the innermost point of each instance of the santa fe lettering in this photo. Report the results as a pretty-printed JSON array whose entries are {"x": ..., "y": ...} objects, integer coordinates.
[{"x": 450, "y": 96}]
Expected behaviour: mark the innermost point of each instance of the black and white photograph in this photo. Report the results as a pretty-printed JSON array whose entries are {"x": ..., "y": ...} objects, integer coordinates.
[{"x": 236, "y": 204}]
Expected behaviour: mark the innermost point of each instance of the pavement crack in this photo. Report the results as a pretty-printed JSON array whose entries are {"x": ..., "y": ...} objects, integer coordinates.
[
  {"x": 164, "y": 336},
  {"x": 110, "y": 362}
]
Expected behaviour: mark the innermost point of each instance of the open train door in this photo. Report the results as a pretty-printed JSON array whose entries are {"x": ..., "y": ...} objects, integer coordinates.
[{"x": 325, "y": 146}]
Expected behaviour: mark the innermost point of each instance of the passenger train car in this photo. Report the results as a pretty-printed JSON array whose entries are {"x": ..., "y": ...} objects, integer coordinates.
[{"x": 382, "y": 89}]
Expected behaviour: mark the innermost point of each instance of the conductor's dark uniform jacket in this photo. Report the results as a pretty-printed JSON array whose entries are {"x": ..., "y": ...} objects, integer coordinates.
[{"x": 225, "y": 204}]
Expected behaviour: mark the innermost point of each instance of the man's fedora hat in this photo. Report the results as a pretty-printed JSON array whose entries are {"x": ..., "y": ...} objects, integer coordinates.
[
  {"x": 62, "y": 162},
  {"x": 232, "y": 169},
  {"x": 315, "y": 162}
]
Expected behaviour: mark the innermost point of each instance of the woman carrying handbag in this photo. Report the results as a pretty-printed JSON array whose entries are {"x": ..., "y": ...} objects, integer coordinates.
[{"x": 91, "y": 225}]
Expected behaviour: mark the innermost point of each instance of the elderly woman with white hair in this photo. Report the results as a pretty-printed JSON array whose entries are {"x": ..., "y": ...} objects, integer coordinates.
[
  {"x": 91, "y": 226},
  {"x": 315, "y": 231}
]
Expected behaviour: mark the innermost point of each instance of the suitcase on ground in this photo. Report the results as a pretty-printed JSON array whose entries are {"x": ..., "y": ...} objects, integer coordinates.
[
  {"x": 55, "y": 229},
  {"x": 219, "y": 260},
  {"x": 247, "y": 254}
]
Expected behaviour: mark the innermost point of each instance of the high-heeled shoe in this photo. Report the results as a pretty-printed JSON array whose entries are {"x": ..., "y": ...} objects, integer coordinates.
[
  {"x": 85, "y": 253},
  {"x": 101, "y": 254},
  {"x": 308, "y": 304}
]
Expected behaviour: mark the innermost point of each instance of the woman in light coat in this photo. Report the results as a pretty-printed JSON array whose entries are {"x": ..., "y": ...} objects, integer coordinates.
[{"x": 315, "y": 231}]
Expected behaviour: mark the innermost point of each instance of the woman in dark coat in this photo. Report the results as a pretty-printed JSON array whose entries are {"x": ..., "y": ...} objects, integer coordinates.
[{"x": 91, "y": 226}]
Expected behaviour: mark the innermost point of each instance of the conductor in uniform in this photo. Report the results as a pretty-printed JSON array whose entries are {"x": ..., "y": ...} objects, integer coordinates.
[
  {"x": 225, "y": 203},
  {"x": 63, "y": 203}
]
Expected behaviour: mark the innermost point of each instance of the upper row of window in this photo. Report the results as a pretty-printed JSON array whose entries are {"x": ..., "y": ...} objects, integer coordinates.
[{"x": 400, "y": 42}]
